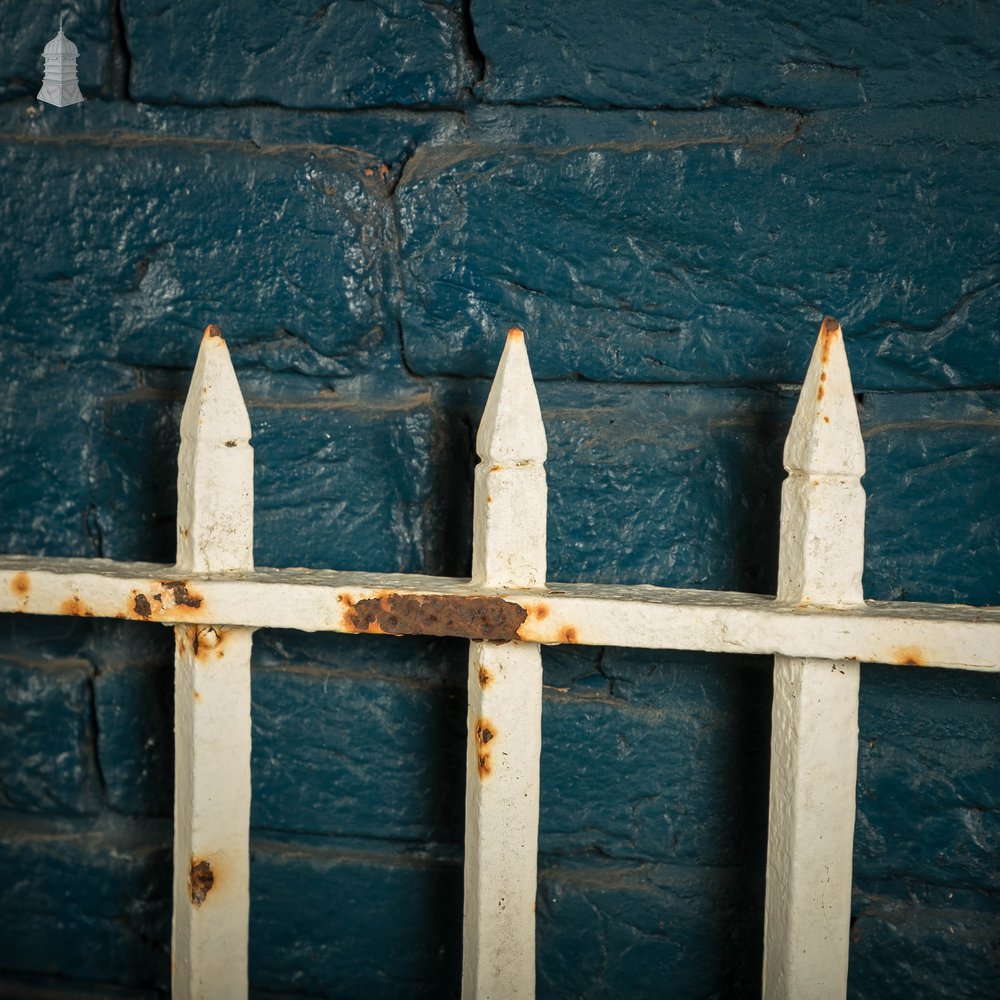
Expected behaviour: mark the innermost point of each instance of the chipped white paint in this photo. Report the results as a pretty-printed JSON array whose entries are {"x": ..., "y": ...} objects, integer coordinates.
[
  {"x": 212, "y": 689},
  {"x": 505, "y": 695},
  {"x": 818, "y": 628},
  {"x": 814, "y": 718},
  {"x": 917, "y": 635}
]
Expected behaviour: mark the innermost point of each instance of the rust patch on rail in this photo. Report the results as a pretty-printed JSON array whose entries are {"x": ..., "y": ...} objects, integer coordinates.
[
  {"x": 820, "y": 394},
  {"x": 485, "y": 733},
  {"x": 163, "y": 598},
  {"x": 567, "y": 634},
  {"x": 182, "y": 596},
  {"x": 485, "y": 619},
  {"x": 909, "y": 656},
  {"x": 74, "y": 606},
  {"x": 540, "y": 611},
  {"x": 212, "y": 331},
  {"x": 485, "y": 677},
  {"x": 201, "y": 879},
  {"x": 207, "y": 641},
  {"x": 829, "y": 331},
  {"x": 20, "y": 585}
]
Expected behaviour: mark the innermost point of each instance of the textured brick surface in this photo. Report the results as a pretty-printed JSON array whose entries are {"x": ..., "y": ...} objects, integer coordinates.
[
  {"x": 46, "y": 759},
  {"x": 705, "y": 247},
  {"x": 683, "y": 53},
  {"x": 300, "y": 55},
  {"x": 365, "y": 196}
]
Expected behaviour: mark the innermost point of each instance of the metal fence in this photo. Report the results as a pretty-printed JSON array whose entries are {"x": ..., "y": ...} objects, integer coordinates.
[{"x": 818, "y": 627}]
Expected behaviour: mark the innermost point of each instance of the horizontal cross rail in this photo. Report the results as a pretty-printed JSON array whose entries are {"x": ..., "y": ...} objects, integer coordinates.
[{"x": 913, "y": 634}]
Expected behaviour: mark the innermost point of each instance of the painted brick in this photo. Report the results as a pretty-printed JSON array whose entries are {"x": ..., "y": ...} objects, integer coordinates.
[
  {"x": 342, "y": 55},
  {"x": 125, "y": 252},
  {"x": 684, "y": 54},
  {"x": 701, "y": 247},
  {"x": 349, "y": 923},
  {"x": 928, "y": 799},
  {"x": 355, "y": 484},
  {"x": 47, "y": 760},
  {"x": 680, "y": 486},
  {"x": 358, "y": 756},
  {"x": 22, "y": 39},
  {"x": 85, "y": 901},
  {"x": 59, "y": 988},
  {"x": 610, "y": 931},
  {"x": 47, "y": 414},
  {"x": 909, "y": 941},
  {"x": 135, "y": 728}
]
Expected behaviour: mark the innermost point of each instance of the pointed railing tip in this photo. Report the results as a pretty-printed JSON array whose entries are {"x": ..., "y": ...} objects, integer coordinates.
[
  {"x": 214, "y": 406},
  {"x": 511, "y": 428},
  {"x": 825, "y": 436}
]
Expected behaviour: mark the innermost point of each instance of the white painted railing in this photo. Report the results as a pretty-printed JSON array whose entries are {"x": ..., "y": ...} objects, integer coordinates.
[{"x": 818, "y": 628}]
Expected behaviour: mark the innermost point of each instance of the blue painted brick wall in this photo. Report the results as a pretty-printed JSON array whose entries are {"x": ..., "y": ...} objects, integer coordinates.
[{"x": 667, "y": 196}]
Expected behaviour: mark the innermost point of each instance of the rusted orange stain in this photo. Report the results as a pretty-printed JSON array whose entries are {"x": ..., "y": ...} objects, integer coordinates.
[
  {"x": 485, "y": 677},
  {"x": 540, "y": 611},
  {"x": 201, "y": 880},
  {"x": 212, "y": 331},
  {"x": 486, "y": 619},
  {"x": 485, "y": 733},
  {"x": 829, "y": 331},
  {"x": 567, "y": 634},
  {"x": 909, "y": 656},
  {"x": 169, "y": 597},
  {"x": 74, "y": 606},
  {"x": 820, "y": 394},
  {"x": 20, "y": 584}
]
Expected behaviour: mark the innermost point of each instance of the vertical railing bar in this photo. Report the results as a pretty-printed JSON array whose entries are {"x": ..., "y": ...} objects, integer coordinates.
[
  {"x": 505, "y": 695},
  {"x": 814, "y": 728},
  {"x": 212, "y": 690}
]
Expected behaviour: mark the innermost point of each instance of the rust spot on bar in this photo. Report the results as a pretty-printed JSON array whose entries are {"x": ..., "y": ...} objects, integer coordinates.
[
  {"x": 485, "y": 677},
  {"x": 540, "y": 611},
  {"x": 208, "y": 640},
  {"x": 567, "y": 634},
  {"x": 486, "y": 619},
  {"x": 820, "y": 394},
  {"x": 74, "y": 606},
  {"x": 230, "y": 444},
  {"x": 182, "y": 596},
  {"x": 141, "y": 606},
  {"x": 829, "y": 331},
  {"x": 212, "y": 331},
  {"x": 485, "y": 733},
  {"x": 201, "y": 879},
  {"x": 515, "y": 333},
  {"x": 910, "y": 656},
  {"x": 826, "y": 419},
  {"x": 496, "y": 468},
  {"x": 20, "y": 584}
]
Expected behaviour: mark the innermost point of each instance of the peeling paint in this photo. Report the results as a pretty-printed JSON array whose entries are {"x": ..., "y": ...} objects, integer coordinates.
[
  {"x": 201, "y": 879},
  {"x": 485, "y": 732}
]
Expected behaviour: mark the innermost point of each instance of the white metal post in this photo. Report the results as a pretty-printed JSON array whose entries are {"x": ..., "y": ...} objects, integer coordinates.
[
  {"x": 211, "y": 689},
  {"x": 505, "y": 694},
  {"x": 814, "y": 722}
]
